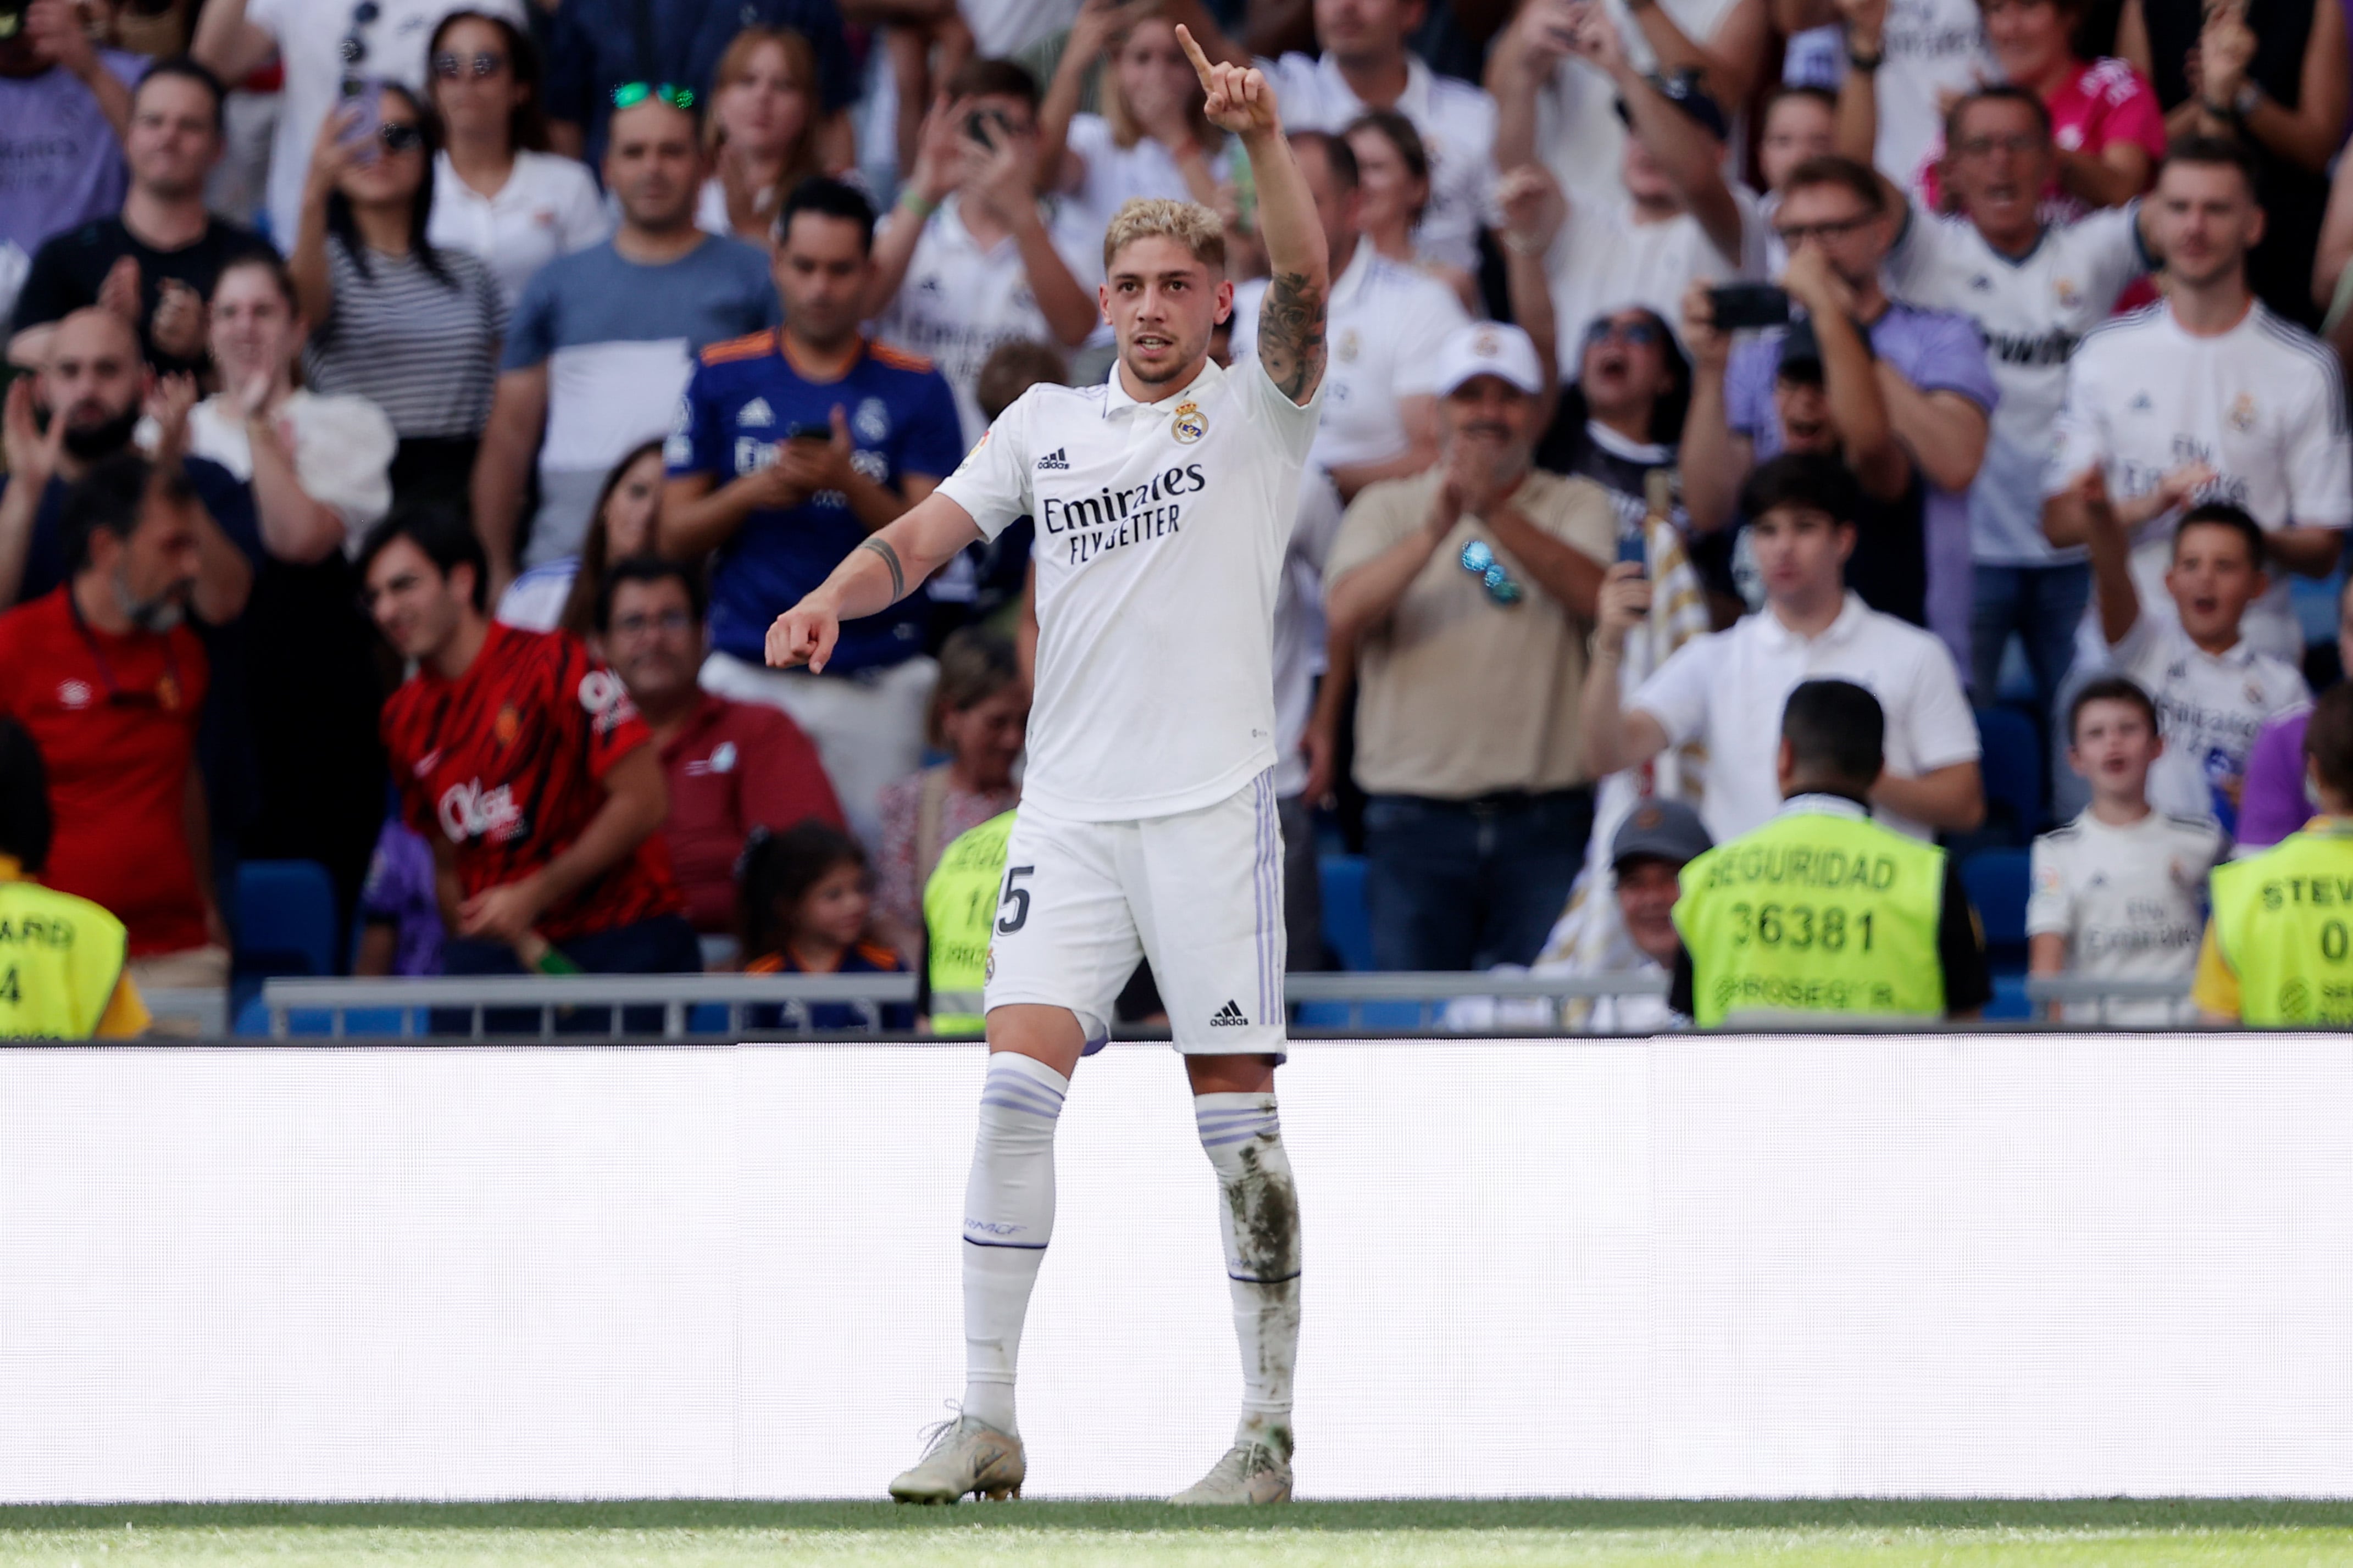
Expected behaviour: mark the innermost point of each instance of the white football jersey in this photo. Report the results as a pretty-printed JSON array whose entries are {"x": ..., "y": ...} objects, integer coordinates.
[
  {"x": 1579, "y": 134},
  {"x": 1383, "y": 329},
  {"x": 1934, "y": 48},
  {"x": 2032, "y": 310},
  {"x": 1605, "y": 259},
  {"x": 2210, "y": 708},
  {"x": 2131, "y": 901},
  {"x": 2263, "y": 405},
  {"x": 959, "y": 301},
  {"x": 1161, "y": 536}
]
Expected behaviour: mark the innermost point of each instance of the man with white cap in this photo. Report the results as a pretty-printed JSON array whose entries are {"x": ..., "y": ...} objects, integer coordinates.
[{"x": 1468, "y": 592}]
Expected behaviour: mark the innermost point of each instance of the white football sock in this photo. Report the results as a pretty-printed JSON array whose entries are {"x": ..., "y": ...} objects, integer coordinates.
[
  {"x": 1258, "y": 1215},
  {"x": 1009, "y": 1217}
]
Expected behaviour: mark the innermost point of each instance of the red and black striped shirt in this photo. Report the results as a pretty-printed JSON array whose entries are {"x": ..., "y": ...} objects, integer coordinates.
[{"x": 505, "y": 762}]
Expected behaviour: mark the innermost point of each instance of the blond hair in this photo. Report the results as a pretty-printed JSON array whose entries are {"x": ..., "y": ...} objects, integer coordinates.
[{"x": 1189, "y": 224}]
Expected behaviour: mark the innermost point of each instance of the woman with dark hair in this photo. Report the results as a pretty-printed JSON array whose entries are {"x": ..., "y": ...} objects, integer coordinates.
[
  {"x": 806, "y": 902},
  {"x": 1623, "y": 415},
  {"x": 766, "y": 115},
  {"x": 1393, "y": 192},
  {"x": 497, "y": 190},
  {"x": 412, "y": 328},
  {"x": 561, "y": 594}
]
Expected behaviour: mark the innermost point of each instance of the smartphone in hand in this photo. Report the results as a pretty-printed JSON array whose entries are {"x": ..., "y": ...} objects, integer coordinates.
[{"x": 1744, "y": 307}]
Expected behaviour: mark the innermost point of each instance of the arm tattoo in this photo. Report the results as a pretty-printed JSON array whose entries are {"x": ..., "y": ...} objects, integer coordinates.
[
  {"x": 890, "y": 558},
  {"x": 1291, "y": 336}
]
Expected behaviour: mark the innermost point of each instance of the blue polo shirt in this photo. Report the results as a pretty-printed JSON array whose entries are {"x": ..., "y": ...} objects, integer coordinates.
[{"x": 743, "y": 397}]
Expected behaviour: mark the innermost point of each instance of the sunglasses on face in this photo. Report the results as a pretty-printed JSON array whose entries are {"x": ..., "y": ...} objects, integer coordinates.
[
  {"x": 398, "y": 136},
  {"x": 451, "y": 67},
  {"x": 1478, "y": 559},
  {"x": 1633, "y": 334},
  {"x": 629, "y": 94}
]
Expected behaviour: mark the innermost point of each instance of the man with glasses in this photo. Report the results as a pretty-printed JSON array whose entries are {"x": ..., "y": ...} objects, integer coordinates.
[
  {"x": 2035, "y": 287},
  {"x": 604, "y": 340},
  {"x": 321, "y": 44},
  {"x": 1930, "y": 368},
  {"x": 1387, "y": 323},
  {"x": 730, "y": 766},
  {"x": 1468, "y": 592},
  {"x": 110, "y": 680}
]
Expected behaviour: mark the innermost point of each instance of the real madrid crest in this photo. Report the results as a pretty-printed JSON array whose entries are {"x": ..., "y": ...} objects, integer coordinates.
[
  {"x": 1188, "y": 426},
  {"x": 2243, "y": 413},
  {"x": 1349, "y": 347}
]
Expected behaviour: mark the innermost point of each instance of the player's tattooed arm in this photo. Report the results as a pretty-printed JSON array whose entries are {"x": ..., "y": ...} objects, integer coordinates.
[
  {"x": 890, "y": 558},
  {"x": 1291, "y": 334}
]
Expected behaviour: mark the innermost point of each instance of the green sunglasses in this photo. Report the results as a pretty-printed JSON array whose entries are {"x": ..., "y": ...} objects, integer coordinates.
[{"x": 629, "y": 94}]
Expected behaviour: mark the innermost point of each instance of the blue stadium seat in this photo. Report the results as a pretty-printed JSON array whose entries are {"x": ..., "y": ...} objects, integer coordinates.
[
  {"x": 2015, "y": 776},
  {"x": 1996, "y": 880},
  {"x": 285, "y": 918},
  {"x": 2010, "y": 1001},
  {"x": 1347, "y": 926}
]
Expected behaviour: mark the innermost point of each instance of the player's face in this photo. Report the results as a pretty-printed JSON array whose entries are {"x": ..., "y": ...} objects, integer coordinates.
[
  {"x": 2214, "y": 578},
  {"x": 2115, "y": 744},
  {"x": 2205, "y": 221},
  {"x": 1797, "y": 127},
  {"x": 253, "y": 330},
  {"x": 985, "y": 738},
  {"x": 654, "y": 164},
  {"x": 1647, "y": 890},
  {"x": 1161, "y": 303},
  {"x": 822, "y": 269},
  {"x": 835, "y": 910},
  {"x": 416, "y": 607},
  {"x": 654, "y": 641},
  {"x": 171, "y": 145},
  {"x": 1998, "y": 165},
  {"x": 1799, "y": 551}
]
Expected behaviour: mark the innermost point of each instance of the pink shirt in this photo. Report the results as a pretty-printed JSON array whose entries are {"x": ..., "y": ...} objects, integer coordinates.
[{"x": 2108, "y": 101}]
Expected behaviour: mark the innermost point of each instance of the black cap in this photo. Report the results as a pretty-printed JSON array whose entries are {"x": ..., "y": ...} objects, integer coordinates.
[{"x": 1684, "y": 91}]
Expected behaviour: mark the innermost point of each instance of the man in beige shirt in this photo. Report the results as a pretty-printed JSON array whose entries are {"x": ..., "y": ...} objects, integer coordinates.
[{"x": 1468, "y": 593}]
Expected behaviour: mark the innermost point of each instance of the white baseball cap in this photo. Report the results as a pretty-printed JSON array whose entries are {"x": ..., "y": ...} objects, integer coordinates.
[{"x": 1489, "y": 348}]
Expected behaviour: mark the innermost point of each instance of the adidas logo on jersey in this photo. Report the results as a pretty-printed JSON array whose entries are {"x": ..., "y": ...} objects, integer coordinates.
[
  {"x": 2140, "y": 405},
  {"x": 1229, "y": 1016},
  {"x": 755, "y": 414},
  {"x": 1057, "y": 458}
]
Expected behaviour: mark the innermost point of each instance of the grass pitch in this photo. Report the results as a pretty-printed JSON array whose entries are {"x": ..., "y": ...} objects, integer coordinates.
[{"x": 1585, "y": 1533}]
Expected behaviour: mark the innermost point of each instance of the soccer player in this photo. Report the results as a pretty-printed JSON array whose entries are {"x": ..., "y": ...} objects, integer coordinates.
[
  {"x": 1147, "y": 825},
  {"x": 2119, "y": 893}
]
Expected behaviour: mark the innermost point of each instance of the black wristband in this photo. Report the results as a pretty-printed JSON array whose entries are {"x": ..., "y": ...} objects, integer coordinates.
[{"x": 1866, "y": 64}]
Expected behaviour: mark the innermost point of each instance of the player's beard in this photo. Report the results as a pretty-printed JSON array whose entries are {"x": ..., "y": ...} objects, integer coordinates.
[{"x": 1179, "y": 367}]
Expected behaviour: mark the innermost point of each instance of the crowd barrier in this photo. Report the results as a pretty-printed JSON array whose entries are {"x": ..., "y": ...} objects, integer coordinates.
[{"x": 1976, "y": 1264}]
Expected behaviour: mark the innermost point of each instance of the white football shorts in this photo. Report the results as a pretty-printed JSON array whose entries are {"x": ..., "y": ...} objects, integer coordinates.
[{"x": 1198, "y": 893}]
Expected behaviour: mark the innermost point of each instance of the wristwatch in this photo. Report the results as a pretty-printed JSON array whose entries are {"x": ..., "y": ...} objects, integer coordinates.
[{"x": 1864, "y": 63}]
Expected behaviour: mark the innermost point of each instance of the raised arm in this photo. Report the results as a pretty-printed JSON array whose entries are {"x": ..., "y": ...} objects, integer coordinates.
[
  {"x": 1691, "y": 159},
  {"x": 876, "y": 575},
  {"x": 1290, "y": 318}
]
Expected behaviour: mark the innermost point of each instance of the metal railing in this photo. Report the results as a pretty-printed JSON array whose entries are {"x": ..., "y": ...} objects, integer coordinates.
[{"x": 715, "y": 1004}]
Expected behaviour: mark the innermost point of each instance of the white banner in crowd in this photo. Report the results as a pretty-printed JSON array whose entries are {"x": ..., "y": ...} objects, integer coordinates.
[{"x": 2005, "y": 1264}]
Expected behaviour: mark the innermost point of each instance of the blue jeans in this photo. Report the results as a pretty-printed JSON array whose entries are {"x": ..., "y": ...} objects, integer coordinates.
[
  {"x": 2044, "y": 605},
  {"x": 665, "y": 945},
  {"x": 1464, "y": 884}
]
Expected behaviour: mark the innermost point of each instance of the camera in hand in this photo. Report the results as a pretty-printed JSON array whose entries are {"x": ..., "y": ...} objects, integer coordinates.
[{"x": 1744, "y": 307}]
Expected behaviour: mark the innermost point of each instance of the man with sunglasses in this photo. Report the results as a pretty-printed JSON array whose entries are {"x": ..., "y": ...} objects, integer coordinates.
[
  {"x": 108, "y": 678},
  {"x": 321, "y": 44},
  {"x": 1468, "y": 592}
]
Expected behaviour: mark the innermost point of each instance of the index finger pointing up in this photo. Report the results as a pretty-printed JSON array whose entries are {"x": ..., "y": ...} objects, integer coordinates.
[{"x": 1193, "y": 52}]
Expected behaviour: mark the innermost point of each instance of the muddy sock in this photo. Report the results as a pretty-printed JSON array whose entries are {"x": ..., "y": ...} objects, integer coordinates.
[
  {"x": 1009, "y": 1216},
  {"x": 1258, "y": 1214}
]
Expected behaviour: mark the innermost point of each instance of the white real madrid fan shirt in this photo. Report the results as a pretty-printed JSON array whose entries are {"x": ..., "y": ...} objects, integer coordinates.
[{"x": 1161, "y": 529}]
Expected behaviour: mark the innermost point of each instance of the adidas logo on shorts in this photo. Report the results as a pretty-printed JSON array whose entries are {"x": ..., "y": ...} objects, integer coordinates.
[
  {"x": 1057, "y": 458},
  {"x": 1229, "y": 1016}
]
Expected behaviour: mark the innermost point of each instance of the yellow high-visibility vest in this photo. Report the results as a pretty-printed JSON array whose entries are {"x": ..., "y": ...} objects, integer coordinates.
[
  {"x": 1815, "y": 913},
  {"x": 61, "y": 958},
  {"x": 959, "y": 916},
  {"x": 2284, "y": 922}
]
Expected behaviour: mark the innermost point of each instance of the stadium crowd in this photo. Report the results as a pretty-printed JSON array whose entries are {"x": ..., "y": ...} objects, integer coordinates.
[{"x": 418, "y": 411}]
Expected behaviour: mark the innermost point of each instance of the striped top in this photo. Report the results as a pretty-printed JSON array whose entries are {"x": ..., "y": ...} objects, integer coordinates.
[{"x": 425, "y": 352}]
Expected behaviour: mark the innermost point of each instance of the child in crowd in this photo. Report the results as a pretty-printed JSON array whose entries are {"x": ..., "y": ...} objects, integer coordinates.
[
  {"x": 2119, "y": 893},
  {"x": 2214, "y": 690},
  {"x": 808, "y": 900}
]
